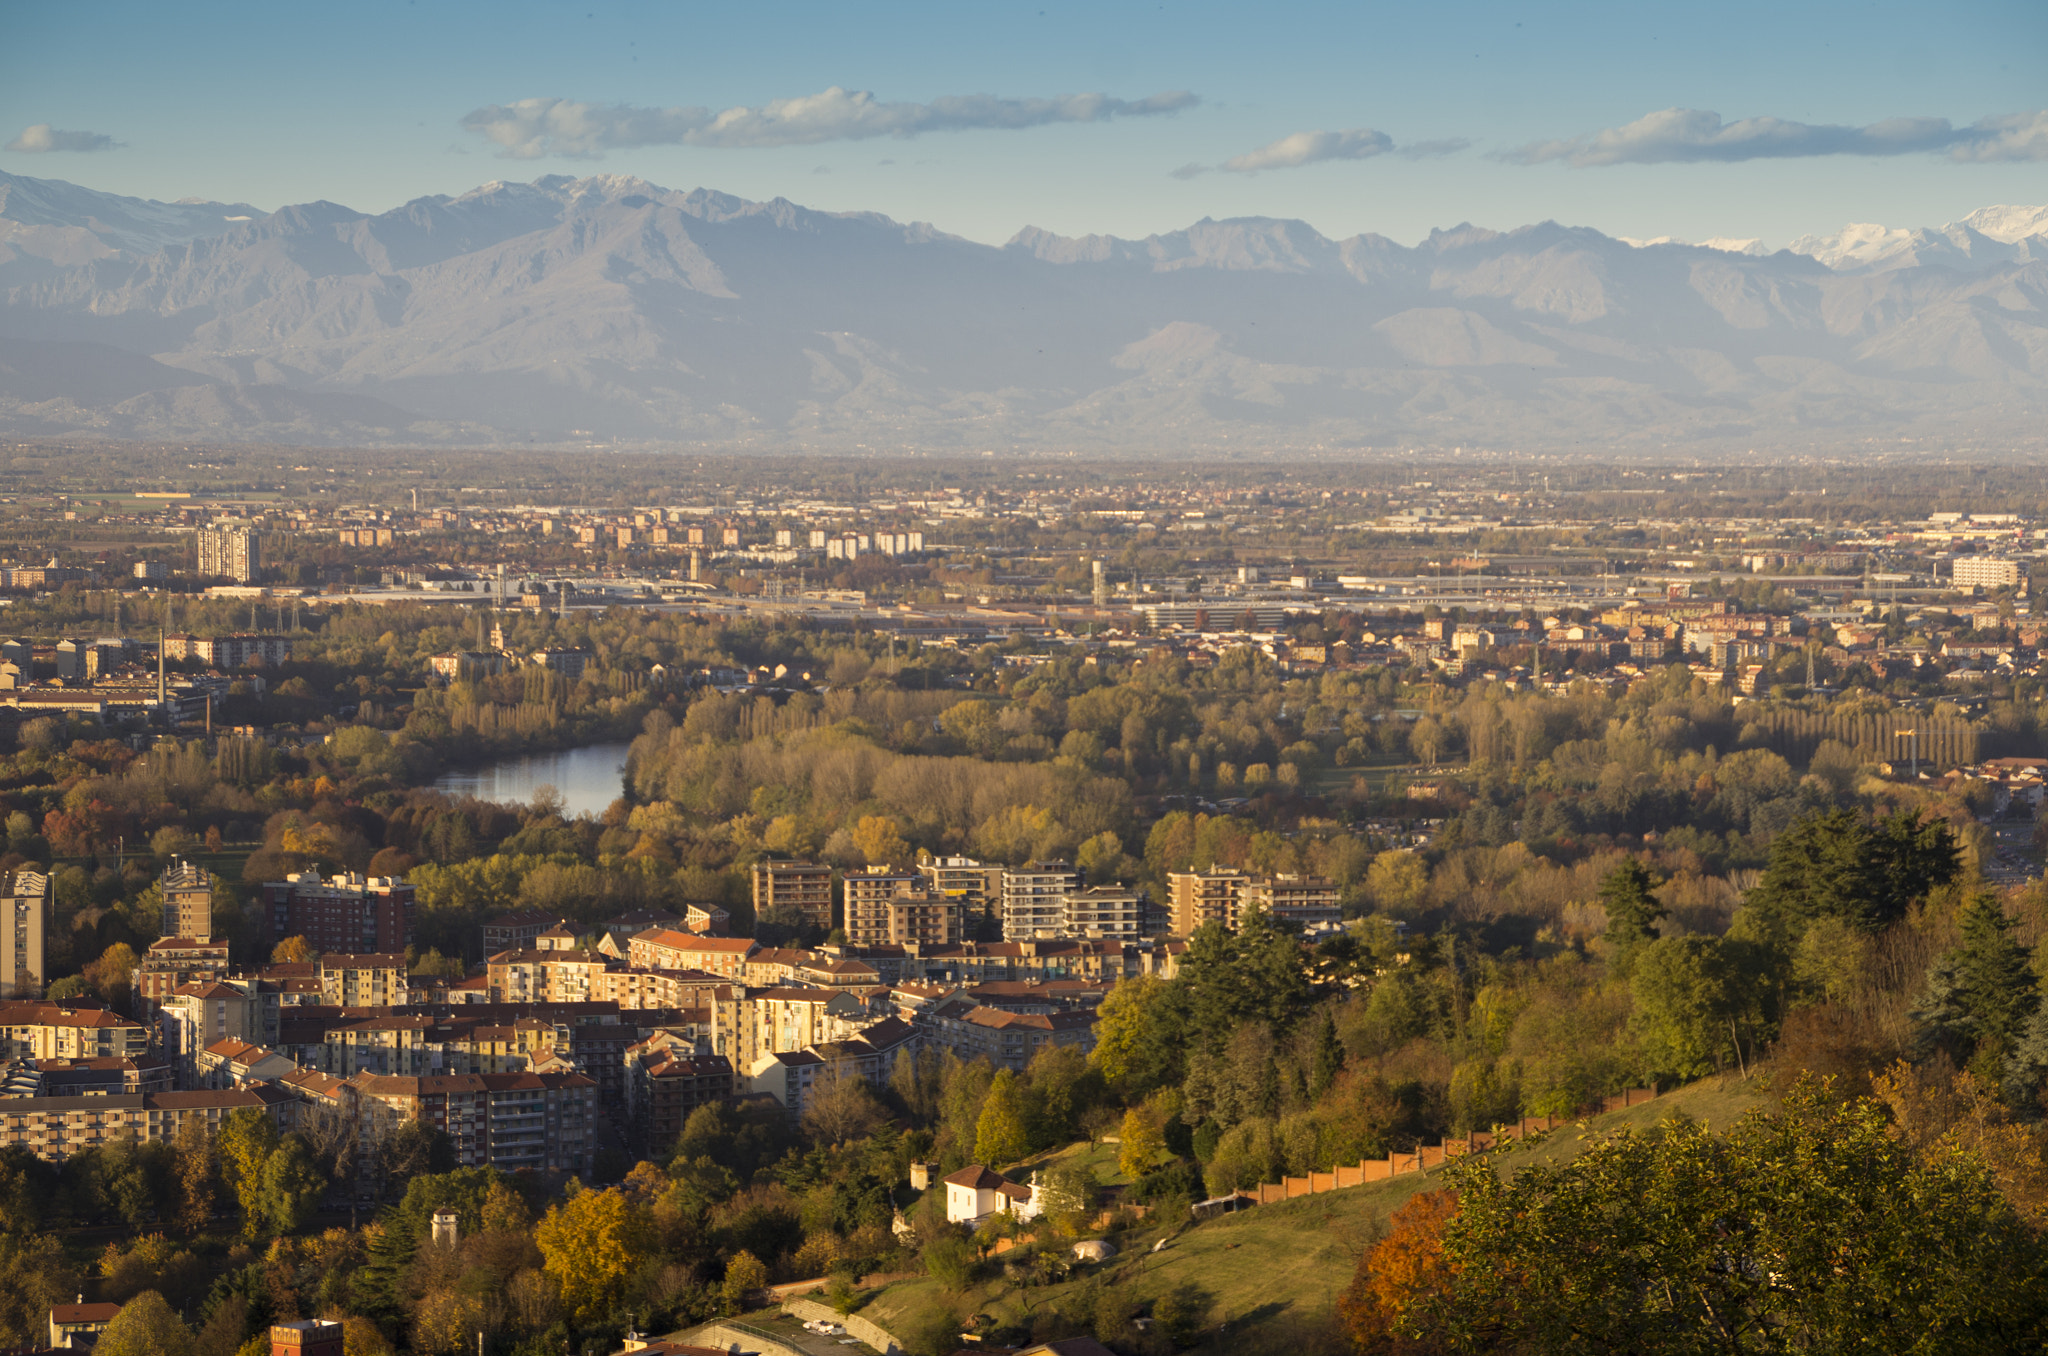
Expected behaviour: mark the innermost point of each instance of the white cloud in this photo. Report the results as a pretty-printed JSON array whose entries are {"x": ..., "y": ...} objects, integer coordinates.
[
  {"x": 1684, "y": 135},
  {"x": 1306, "y": 148},
  {"x": 1309, "y": 148},
  {"x": 531, "y": 128},
  {"x": 42, "y": 138}
]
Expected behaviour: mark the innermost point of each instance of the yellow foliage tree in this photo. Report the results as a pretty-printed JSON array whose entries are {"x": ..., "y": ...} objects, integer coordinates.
[
  {"x": 1141, "y": 1143},
  {"x": 292, "y": 951},
  {"x": 591, "y": 1244},
  {"x": 880, "y": 840}
]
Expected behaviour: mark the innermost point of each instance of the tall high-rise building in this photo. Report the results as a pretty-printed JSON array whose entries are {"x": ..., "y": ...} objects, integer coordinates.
[
  {"x": 24, "y": 930},
  {"x": 346, "y": 913},
  {"x": 188, "y": 902},
  {"x": 230, "y": 553}
]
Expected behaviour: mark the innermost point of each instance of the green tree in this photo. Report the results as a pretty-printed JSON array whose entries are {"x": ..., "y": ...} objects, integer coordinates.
[
  {"x": 1982, "y": 990},
  {"x": 1698, "y": 1001},
  {"x": 1002, "y": 1131},
  {"x": 1809, "y": 1229},
  {"x": 292, "y": 1183},
  {"x": 1136, "y": 1048},
  {"x": 1632, "y": 907},
  {"x": 1328, "y": 1059},
  {"x": 146, "y": 1326},
  {"x": 1833, "y": 865}
]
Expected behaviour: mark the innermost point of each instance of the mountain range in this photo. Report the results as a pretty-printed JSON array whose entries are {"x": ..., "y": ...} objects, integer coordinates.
[{"x": 569, "y": 311}]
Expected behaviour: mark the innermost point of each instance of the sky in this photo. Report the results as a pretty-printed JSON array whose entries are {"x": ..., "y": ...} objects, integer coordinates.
[{"x": 1732, "y": 120}]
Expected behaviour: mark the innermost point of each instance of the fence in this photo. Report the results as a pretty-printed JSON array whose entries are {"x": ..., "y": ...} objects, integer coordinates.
[{"x": 1423, "y": 1157}]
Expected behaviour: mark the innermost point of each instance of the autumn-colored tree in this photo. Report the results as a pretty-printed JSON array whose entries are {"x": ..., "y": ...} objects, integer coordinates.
[
  {"x": 1401, "y": 1268},
  {"x": 361, "y": 1337},
  {"x": 879, "y": 839},
  {"x": 1141, "y": 1143},
  {"x": 113, "y": 974},
  {"x": 1001, "y": 1133},
  {"x": 1939, "y": 1112},
  {"x": 292, "y": 951},
  {"x": 198, "y": 1176},
  {"x": 592, "y": 1244},
  {"x": 245, "y": 1142},
  {"x": 1126, "y": 1033},
  {"x": 744, "y": 1274}
]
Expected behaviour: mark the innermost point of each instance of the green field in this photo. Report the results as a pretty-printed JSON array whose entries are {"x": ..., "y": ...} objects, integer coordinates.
[{"x": 1274, "y": 1272}]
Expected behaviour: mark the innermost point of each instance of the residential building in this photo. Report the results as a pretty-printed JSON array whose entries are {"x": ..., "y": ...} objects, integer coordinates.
[
  {"x": 72, "y": 1321},
  {"x": 543, "y": 1121},
  {"x": 979, "y": 886},
  {"x": 667, "y": 1079},
  {"x": 911, "y": 914},
  {"x": 1309, "y": 901},
  {"x": 35, "y": 1030},
  {"x": 188, "y": 902},
  {"x": 1007, "y": 1040},
  {"x": 346, "y": 913},
  {"x": 545, "y": 976},
  {"x": 1113, "y": 912},
  {"x": 512, "y": 931},
  {"x": 1034, "y": 899},
  {"x": 749, "y": 1023},
  {"x": 229, "y": 553},
  {"x": 54, "y": 1128},
  {"x": 1985, "y": 572},
  {"x": 25, "y": 924},
  {"x": 198, "y": 1014},
  {"x": 669, "y": 949},
  {"x": 974, "y": 1193},
  {"x": 1198, "y": 897},
  {"x": 802, "y": 890},
  {"x": 363, "y": 981},
  {"x": 235, "y": 1063}
]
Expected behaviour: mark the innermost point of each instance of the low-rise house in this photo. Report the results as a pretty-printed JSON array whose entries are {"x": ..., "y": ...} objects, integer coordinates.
[
  {"x": 975, "y": 1192},
  {"x": 70, "y": 1322}
]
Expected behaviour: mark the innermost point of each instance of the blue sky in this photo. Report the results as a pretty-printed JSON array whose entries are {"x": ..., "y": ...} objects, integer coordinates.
[{"x": 1491, "y": 113}]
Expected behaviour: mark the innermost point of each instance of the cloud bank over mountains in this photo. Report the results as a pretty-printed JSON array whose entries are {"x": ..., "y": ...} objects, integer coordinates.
[
  {"x": 529, "y": 129},
  {"x": 577, "y": 310},
  {"x": 1692, "y": 135}
]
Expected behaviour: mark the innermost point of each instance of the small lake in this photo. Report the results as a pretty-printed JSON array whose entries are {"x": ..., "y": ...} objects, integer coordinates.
[{"x": 589, "y": 778}]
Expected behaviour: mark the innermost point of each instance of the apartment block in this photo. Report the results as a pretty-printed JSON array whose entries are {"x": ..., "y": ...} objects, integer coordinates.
[
  {"x": 344, "y": 913},
  {"x": 546, "y": 1122},
  {"x": 1112, "y": 912},
  {"x": 33, "y": 1030},
  {"x": 228, "y": 553},
  {"x": 1225, "y": 895},
  {"x": 749, "y": 1023},
  {"x": 801, "y": 888},
  {"x": 363, "y": 981},
  {"x": 1034, "y": 899},
  {"x": 188, "y": 902},
  {"x": 25, "y": 923},
  {"x": 913, "y": 916}
]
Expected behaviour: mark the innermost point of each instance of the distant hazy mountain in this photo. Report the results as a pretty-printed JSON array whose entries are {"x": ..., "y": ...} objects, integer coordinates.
[
  {"x": 569, "y": 310},
  {"x": 1990, "y": 237}
]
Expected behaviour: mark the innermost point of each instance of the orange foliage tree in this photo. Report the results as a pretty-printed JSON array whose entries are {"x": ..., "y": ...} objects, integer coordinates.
[{"x": 1402, "y": 1268}]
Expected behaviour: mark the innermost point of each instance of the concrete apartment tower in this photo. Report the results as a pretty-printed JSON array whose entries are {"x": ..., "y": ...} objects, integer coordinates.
[
  {"x": 188, "y": 902},
  {"x": 25, "y": 924}
]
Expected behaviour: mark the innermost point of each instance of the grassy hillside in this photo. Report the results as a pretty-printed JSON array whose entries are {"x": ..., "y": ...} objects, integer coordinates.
[{"x": 1274, "y": 1272}]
